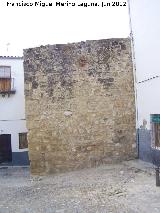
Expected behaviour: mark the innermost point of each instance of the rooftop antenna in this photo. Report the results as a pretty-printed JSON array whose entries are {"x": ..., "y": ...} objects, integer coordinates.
[{"x": 7, "y": 46}]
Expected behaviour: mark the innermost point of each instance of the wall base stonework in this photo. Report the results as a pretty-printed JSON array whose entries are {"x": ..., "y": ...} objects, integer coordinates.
[{"x": 80, "y": 105}]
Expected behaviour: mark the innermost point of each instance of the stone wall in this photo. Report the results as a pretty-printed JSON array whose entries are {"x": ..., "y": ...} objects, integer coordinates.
[{"x": 80, "y": 105}]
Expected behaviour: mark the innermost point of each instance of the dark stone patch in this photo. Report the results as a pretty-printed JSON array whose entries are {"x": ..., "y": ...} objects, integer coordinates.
[
  {"x": 120, "y": 139},
  {"x": 66, "y": 83},
  {"x": 51, "y": 84},
  {"x": 82, "y": 61},
  {"x": 123, "y": 46},
  {"x": 110, "y": 79},
  {"x": 59, "y": 46},
  {"x": 62, "y": 97},
  {"x": 89, "y": 50},
  {"x": 37, "y": 55},
  {"x": 105, "y": 119},
  {"x": 28, "y": 77},
  {"x": 50, "y": 92},
  {"x": 106, "y": 81},
  {"x": 34, "y": 84},
  {"x": 114, "y": 43},
  {"x": 119, "y": 131},
  {"x": 91, "y": 73}
]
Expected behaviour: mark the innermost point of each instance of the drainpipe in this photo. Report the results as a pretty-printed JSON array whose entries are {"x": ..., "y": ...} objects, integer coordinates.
[
  {"x": 157, "y": 176},
  {"x": 134, "y": 74}
]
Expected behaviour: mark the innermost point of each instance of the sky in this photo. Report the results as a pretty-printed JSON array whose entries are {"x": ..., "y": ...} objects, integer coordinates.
[{"x": 26, "y": 27}]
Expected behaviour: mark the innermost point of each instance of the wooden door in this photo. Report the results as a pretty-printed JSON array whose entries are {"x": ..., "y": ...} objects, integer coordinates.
[{"x": 5, "y": 148}]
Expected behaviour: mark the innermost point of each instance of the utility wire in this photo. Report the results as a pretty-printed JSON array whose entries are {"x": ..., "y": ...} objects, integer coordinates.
[
  {"x": 158, "y": 76},
  {"x": 23, "y": 119}
]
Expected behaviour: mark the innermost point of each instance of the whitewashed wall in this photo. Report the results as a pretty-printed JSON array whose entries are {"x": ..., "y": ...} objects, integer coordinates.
[
  {"x": 145, "y": 17},
  {"x": 12, "y": 109}
]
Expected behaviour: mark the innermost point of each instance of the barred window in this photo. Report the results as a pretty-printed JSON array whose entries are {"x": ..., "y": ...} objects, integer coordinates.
[
  {"x": 23, "y": 142},
  {"x": 5, "y": 78},
  {"x": 5, "y": 72}
]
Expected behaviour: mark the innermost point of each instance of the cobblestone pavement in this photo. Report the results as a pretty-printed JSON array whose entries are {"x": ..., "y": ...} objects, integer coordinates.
[{"x": 128, "y": 187}]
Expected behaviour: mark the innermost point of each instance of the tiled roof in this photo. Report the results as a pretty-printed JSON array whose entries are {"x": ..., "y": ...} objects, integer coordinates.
[{"x": 11, "y": 57}]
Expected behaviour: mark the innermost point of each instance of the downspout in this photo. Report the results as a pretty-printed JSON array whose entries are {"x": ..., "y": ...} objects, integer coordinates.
[{"x": 134, "y": 75}]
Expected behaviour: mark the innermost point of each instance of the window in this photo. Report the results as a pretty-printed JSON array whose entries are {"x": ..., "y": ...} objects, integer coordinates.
[
  {"x": 6, "y": 82},
  {"x": 23, "y": 142},
  {"x": 5, "y": 72},
  {"x": 5, "y": 78},
  {"x": 155, "y": 127}
]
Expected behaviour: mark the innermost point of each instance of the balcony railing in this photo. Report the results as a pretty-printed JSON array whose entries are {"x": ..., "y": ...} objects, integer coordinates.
[{"x": 7, "y": 86}]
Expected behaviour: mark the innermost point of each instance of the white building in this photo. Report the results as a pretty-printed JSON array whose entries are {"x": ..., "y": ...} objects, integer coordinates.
[
  {"x": 13, "y": 131},
  {"x": 145, "y": 17}
]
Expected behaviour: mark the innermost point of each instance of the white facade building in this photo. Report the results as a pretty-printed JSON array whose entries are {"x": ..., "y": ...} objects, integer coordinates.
[
  {"x": 145, "y": 17},
  {"x": 13, "y": 131}
]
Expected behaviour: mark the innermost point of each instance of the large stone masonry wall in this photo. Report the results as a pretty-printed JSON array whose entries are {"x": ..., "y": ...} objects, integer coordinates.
[{"x": 80, "y": 105}]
